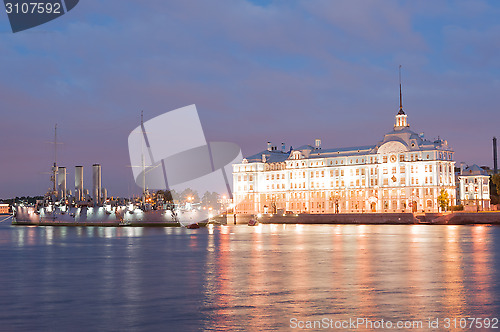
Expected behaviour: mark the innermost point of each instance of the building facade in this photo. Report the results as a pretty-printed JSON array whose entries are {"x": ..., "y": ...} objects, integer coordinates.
[
  {"x": 402, "y": 173},
  {"x": 474, "y": 188},
  {"x": 4, "y": 208}
]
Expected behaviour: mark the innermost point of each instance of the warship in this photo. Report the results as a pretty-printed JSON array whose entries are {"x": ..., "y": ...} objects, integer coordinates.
[{"x": 61, "y": 207}]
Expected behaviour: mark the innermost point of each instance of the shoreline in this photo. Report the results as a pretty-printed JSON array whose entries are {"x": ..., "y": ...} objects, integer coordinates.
[{"x": 448, "y": 218}]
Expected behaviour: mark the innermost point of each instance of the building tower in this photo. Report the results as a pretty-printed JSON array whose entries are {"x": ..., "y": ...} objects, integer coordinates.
[{"x": 401, "y": 121}]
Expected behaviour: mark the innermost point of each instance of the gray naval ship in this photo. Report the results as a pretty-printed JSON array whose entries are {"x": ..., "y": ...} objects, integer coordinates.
[{"x": 62, "y": 208}]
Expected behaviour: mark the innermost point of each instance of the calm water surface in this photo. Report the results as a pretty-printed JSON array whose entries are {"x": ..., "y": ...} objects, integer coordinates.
[{"x": 243, "y": 278}]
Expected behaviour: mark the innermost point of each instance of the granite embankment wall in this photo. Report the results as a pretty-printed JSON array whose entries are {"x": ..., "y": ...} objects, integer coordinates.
[
  {"x": 340, "y": 218},
  {"x": 456, "y": 218},
  {"x": 469, "y": 218}
]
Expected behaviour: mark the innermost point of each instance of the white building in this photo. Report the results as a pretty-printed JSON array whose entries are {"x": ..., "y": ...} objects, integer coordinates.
[
  {"x": 402, "y": 173},
  {"x": 474, "y": 188}
]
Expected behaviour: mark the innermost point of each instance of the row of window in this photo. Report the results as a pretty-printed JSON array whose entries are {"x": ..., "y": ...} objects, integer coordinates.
[
  {"x": 373, "y": 159},
  {"x": 357, "y": 171}
]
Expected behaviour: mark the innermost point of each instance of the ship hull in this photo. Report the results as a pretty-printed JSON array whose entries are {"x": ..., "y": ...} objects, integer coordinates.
[{"x": 100, "y": 216}]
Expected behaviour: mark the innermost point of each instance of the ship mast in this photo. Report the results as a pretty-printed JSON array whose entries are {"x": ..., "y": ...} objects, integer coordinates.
[{"x": 143, "y": 162}]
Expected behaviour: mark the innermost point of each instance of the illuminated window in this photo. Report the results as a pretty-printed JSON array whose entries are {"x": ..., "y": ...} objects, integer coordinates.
[
  {"x": 385, "y": 159},
  {"x": 401, "y": 157}
]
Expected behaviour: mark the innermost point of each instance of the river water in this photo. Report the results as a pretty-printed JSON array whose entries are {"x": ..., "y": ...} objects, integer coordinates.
[{"x": 227, "y": 278}]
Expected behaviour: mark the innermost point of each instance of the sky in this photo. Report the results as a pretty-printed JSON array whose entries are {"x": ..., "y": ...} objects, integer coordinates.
[{"x": 280, "y": 71}]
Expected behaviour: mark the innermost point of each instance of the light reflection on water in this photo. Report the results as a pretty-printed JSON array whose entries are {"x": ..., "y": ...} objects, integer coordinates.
[{"x": 240, "y": 277}]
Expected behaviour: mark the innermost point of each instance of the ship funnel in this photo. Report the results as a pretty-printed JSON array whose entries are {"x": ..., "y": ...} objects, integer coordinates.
[
  {"x": 96, "y": 181},
  {"x": 61, "y": 182},
  {"x": 79, "y": 183}
]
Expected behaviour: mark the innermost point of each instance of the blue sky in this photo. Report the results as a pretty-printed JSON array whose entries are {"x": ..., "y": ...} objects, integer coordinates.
[{"x": 284, "y": 71}]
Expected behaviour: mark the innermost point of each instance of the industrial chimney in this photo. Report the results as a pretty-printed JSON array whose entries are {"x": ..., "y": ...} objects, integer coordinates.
[
  {"x": 61, "y": 182},
  {"x": 269, "y": 146},
  {"x": 495, "y": 162},
  {"x": 79, "y": 183},
  {"x": 96, "y": 183}
]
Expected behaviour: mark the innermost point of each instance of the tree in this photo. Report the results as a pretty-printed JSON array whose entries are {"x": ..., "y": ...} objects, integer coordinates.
[
  {"x": 210, "y": 199},
  {"x": 443, "y": 199},
  {"x": 189, "y": 195},
  {"x": 165, "y": 195},
  {"x": 496, "y": 180}
]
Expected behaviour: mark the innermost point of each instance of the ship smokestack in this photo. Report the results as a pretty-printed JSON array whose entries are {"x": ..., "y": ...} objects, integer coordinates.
[
  {"x": 495, "y": 161},
  {"x": 79, "y": 183},
  {"x": 61, "y": 182},
  {"x": 96, "y": 183}
]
